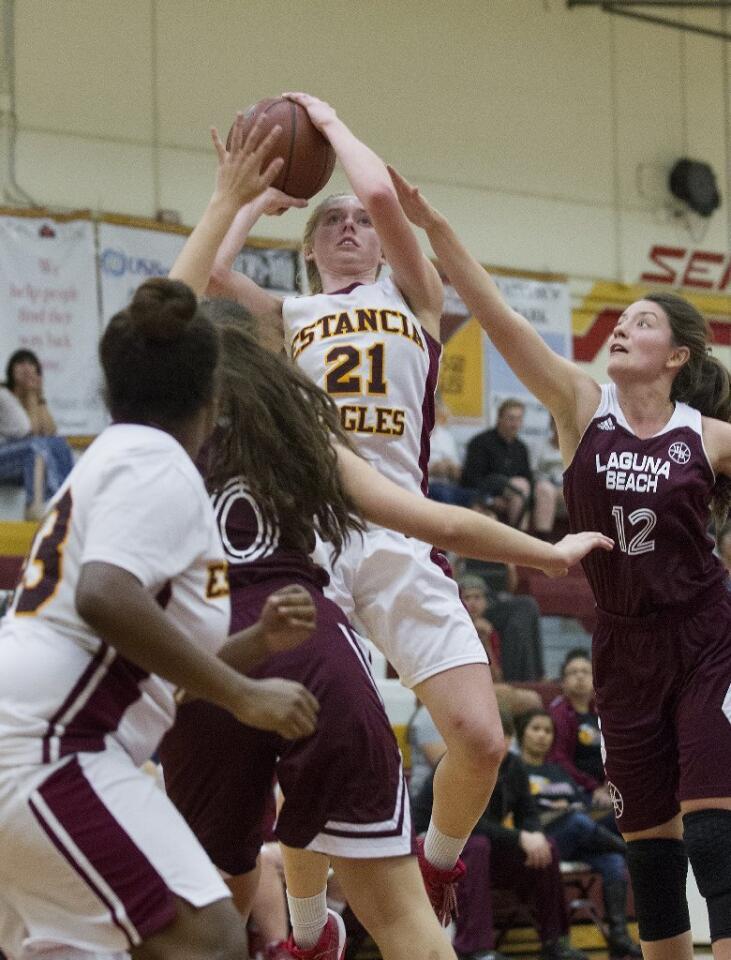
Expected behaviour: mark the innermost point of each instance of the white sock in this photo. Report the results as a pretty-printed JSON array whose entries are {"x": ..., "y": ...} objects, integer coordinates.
[
  {"x": 308, "y": 916},
  {"x": 440, "y": 850}
]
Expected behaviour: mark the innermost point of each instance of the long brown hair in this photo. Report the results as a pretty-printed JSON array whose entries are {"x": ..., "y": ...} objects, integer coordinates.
[
  {"x": 278, "y": 435},
  {"x": 703, "y": 381}
]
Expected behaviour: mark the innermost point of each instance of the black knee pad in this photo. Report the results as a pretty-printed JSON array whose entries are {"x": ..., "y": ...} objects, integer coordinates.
[
  {"x": 708, "y": 842},
  {"x": 658, "y": 869}
]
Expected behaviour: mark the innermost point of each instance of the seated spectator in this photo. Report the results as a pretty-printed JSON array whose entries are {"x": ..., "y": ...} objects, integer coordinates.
[
  {"x": 516, "y": 619},
  {"x": 445, "y": 467},
  {"x": 30, "y": 453},
  {"x": 548, "y": 483},
  {"x": 577, "y": 741},
  {"x": 512, "y": 699},
  {"x": 520, "y": 857},
  {"x": 566, "y": 818},
  {"x": 497, "y": 463}
]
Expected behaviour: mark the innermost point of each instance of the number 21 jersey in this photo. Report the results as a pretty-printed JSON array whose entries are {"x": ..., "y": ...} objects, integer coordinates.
[
  {"x": 652, "y": 497},
  {"x": 365, "y": 348}
]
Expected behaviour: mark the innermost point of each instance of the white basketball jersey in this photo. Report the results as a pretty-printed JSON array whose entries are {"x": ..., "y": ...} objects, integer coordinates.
[
  {"x": 134, "y": 500},
  {"x": 366, "y": 349}
]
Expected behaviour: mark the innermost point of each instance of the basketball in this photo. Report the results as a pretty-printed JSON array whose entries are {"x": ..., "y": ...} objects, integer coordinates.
[{"x": 308, "y": 157}]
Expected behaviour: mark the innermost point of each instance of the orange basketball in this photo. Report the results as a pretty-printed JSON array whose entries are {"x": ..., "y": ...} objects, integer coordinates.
[{"x": 308, "y": 157}]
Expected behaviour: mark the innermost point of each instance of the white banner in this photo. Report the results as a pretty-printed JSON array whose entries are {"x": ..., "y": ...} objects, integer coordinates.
[
  {"x": 127, "y": 257},
  {"x": 547, "y": 305},
  {"x": 48, "y": 304}
]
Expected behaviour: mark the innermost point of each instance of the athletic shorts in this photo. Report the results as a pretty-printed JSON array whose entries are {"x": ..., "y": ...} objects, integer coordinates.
[
  {"x": 400, "y": 592},
  {"x": 343, "y": 786},
  {"x": 663, "y": 690},
  {"x": 92, "y": 855}
]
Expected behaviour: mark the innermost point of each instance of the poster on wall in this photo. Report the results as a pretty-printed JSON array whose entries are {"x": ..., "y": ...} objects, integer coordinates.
[
  {"x": 474, "y": 378},
  {"x": 48, "y": 304},
  {"x": 131, "y": 252},
  {"x": 129, "y": 255},
  {"x": 275, "y": 268},
  {"x": 547, "y": 305}
]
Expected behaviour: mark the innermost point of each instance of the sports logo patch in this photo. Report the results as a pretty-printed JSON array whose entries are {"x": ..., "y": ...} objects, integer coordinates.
[
  {"x": 679, "y": 452},
  {"x": 617, "y": 799},
  {"x": 607, "y": 424}
]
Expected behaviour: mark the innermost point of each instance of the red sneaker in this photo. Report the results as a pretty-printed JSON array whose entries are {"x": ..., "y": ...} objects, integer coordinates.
[
  {"x": 330, "y": 946},
  {"x": 441, "y": 885}
]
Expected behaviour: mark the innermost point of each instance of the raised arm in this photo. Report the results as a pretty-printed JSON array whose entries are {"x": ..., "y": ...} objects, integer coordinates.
[
  {"x": 239, "y": 180},
  {"x": 227, "y": 282},
  {"x": 413, "y": 273},
  {"x": 455, "y": 528},
  {"x": 569, "y": 394}
]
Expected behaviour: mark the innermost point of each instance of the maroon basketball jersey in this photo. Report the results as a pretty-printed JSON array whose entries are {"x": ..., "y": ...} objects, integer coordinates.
[
  {"x": 652, "y": 497},
  {"x": 256, "y": 550}
]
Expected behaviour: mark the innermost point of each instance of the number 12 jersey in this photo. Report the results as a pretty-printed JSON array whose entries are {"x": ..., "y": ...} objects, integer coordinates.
[{"x": 652, "y": 497}]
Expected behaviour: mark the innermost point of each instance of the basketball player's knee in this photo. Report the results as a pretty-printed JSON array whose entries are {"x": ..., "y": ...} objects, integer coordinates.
[
  {"x": 473, "y": 742},
  {"x": 708, "y": 842},
  {"x": 658, "y": 869}
]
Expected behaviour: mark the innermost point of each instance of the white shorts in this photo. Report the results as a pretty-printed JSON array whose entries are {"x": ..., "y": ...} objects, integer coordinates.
[
  {"x": 391, "y": 587},
  {"x": 93, "y": 854}
]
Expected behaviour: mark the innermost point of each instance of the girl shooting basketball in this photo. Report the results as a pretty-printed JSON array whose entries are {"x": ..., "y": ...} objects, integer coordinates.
[{"x": 280, "y": 471}]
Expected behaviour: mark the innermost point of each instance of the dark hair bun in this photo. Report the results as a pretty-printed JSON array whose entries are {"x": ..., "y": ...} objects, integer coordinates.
[{"x": 161, "y": 309}]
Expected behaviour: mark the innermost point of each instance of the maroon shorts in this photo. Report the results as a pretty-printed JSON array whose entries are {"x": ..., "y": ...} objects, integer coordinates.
[
  {"x": 663, "y": 688},
  {"x": 343, "y": 787}
]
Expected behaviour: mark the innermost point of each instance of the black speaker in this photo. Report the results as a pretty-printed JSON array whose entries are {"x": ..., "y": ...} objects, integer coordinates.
[{"x": 694, "y": 182}]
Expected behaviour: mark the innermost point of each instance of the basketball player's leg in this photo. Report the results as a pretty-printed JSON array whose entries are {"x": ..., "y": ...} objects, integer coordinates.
[
  {"x": 387, "y": 896},
  {"x": 243, "y": 890},
  {"x": 707, "y": 832},
  {"x": 658, "y": 866},
  {"x": 704, "y": 747},
  {"x": 462, "y": 704},
  {"x": 213, "y": 932},
  {"x": 305, "y": 875},
  {"x": 636, "y": 678}
]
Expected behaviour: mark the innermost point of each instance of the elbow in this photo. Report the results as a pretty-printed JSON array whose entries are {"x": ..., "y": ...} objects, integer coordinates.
[
  {"x": 380, "y": 199},
  {"x": 218, "y": 279}
]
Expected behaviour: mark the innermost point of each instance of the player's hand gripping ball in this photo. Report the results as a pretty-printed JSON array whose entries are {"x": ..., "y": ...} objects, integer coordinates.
[{"x": 308, "y": 157}]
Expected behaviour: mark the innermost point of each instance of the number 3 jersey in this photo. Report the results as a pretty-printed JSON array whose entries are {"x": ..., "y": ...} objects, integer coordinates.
[
  {"x": 134, "y": 500},
  {"x": 652, "y": 497},
  {"x": 366, "y": 349}
]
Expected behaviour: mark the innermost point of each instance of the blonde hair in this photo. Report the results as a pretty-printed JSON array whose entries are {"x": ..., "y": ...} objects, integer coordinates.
[{"x": 314, "y": 280}]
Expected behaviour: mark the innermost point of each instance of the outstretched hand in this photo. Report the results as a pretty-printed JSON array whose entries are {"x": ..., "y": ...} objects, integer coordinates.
[
  {"x": 319, "y": 112},
  {"x": 419, "y": 211},
  {"x": 274, "y": 202},
  {"x": 574, "y": 547},
  {"x": 283, "y": 706},
  {"x": 287, "y": 619},
  {"x": 243, "y": 173}
]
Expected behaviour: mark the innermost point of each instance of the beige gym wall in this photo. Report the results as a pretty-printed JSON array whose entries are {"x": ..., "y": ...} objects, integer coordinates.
[{"x": 529, "y": 124}]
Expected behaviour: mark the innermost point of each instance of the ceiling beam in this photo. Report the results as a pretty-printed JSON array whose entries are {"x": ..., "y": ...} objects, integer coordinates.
[{"x": 621, "y": 8}]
